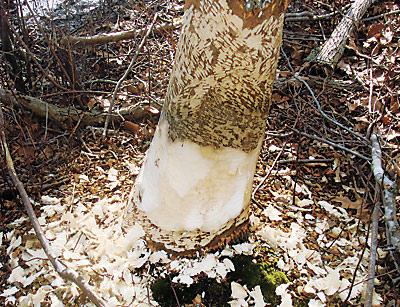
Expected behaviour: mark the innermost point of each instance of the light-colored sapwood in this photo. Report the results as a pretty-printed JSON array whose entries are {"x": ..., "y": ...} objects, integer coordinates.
[{"x": 195, "y": 184}]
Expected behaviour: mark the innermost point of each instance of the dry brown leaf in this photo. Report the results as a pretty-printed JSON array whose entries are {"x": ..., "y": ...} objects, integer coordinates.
[{"x": 347, "y": 203}]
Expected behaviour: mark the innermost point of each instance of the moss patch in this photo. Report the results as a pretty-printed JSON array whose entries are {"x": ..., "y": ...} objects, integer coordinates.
[
  {"x": 215, "y": 294},
  {"x": 263, "y": 274},
  {"x": 218, "y": 294}
]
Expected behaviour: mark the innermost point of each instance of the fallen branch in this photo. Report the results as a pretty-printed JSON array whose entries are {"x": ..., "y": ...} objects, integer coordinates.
[
  {"x": 372, "y": 259},
  {"x": 388, "y": 196},
  {"x": 64, "y": 116},
  {"x": 333, "y": 48},
  {"x": 81, "y": 41},
  {"x": 307, "y": 15},
  {"x": 394, "y": 12},
  {"x": 66, "y": 273},
  {"x": 338, "y": 146},
  {"x": 281, "y": 83},
  {"x": 326, "y": 116},
  {"x": 306, "y": 161},
  {"x": 128, "y": 70}
]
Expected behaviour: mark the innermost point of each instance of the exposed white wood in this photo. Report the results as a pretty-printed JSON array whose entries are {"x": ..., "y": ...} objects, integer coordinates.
[
  {"x": 184, "y": 186},
  {"x": 195, "y": 185}
]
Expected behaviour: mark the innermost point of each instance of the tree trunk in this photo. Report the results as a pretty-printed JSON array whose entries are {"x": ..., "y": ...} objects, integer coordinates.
[{"x": 194, "y": 188}]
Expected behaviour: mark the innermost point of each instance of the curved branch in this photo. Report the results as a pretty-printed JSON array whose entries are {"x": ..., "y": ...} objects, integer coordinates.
[{"x": 65, "y": 272}]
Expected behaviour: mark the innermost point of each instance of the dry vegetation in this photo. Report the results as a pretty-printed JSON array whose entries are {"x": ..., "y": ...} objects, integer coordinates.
[{"x": 314, "y": 190}]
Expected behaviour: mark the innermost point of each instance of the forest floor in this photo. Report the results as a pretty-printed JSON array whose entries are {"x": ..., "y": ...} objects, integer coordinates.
[{"x": 314, "y": 190}]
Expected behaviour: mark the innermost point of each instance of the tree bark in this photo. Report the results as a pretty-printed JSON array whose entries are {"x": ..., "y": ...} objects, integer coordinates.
[
  {"x": 333, "y": 48},
  {"x": 194, "y": 188}
]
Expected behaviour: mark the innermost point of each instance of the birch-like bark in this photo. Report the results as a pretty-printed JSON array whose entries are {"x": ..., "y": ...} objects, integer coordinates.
[
  {"x": 195, "y": 185},
  {"x": 333, "y": 48},
  {"x": 389, "y": 190}
]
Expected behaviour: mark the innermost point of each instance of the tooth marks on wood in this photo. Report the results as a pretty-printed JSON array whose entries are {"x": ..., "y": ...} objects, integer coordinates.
[{"x": 220, "y": 88}]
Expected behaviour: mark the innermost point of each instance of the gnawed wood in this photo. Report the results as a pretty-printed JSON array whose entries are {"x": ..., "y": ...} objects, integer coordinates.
[
  {"x": 187, "y": 243},
  {"x": 194, "y": 188}
]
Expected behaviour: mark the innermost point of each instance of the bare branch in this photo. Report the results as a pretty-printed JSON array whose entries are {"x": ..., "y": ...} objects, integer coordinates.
[
  {"x": 64, "y": 115},
  {"x": 326, "y": 116},
  {"x": 338, "y": 146},
  {"x": 307, "y": 15},
  {"x": 127, "y": 72},
  {"x": 81, "y": 41},
  {"x": 389, "y": 195},
  {"x": 66, "y": 273},
  {"x": 372, "y": 259}
]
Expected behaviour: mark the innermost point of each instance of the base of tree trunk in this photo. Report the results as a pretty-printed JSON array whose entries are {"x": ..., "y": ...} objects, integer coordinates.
[{"x": 187, "y": 243}]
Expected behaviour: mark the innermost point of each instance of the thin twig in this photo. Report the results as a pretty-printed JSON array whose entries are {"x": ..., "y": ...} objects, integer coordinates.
[
  {"x": 65, "y": 272},
  {"x": 317, "y": 138},
  {"x": 305, "y": 161},
  {"x": 381, "y": 15},
  {"x": 33, "y": 57},
  {"x": 301, "y": 16},
  {"x": 326, "y": 116},
  {"x": 268, "y": 174},
  {"x": 139, "y": 48},
  {"x": 173, "y": 290},
  {"x": 353, "y": 279}
]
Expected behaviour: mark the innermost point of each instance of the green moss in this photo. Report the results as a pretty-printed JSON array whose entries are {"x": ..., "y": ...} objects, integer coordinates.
[
  {"x": 263, "y": 274},
  {"x": 218, "y": 294},
  {"x": 215, "y": 294}
]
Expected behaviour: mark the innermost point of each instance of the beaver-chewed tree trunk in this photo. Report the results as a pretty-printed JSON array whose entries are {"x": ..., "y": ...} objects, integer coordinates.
[{"x": 194, "y": 188}]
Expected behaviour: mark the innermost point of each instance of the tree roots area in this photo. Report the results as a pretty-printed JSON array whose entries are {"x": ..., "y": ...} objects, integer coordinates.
[{"x": 318, "y": 232}]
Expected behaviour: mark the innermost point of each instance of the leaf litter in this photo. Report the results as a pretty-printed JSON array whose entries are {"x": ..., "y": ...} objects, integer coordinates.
[
  {"x": 311, "y": 215},
  {"x": 89, "y": 237}
]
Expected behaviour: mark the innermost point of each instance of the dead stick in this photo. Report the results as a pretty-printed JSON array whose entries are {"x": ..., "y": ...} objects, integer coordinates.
[
  {"x": 80, "y": 41},
  {"x": 388, "y": 195},
  {"x": 333, "y": 48},
  {"x": 66, "y": 273},
  {"x": 345, "y": 149},
  {"x": 63, "y": 115},
  {"x": 322, "y": 112},
  {"x": 126, "y": 73},
  {"x": 269, "y": 173},
  {"x": 29, "y": 53},
  {"x": 372, "y": 259},
  {"x": 305, "y": 161},
  {"x": 307, "y": 15}
]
